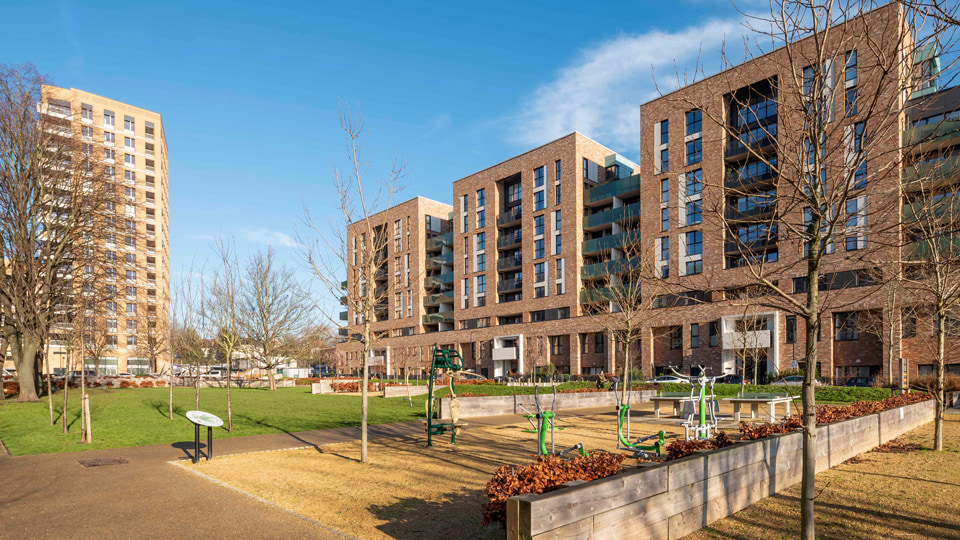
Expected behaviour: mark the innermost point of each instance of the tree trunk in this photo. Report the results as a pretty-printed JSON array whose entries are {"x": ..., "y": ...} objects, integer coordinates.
[
  {"x": 45, "y": 360},
  {"x": 86, "y": 415},
  {"x": 170, "y": 383},
  {"x": 196, "y": 385},
  {"x": 271, "y": 377},
  {"x": 363, "y": 406},
  {"x": 229, "y": 401},
  {"x": 83, "y": 401},
  {"x": 809, "y": 452},
  {"x": 940, "y": 398},
  {"x": 63, "y": 413},
  {"x": 26, "y": 371}
]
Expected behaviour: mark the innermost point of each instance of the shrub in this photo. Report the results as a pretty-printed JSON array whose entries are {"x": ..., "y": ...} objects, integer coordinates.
[
  {"x": 679, "y": 449},
  {"x": 928, "y": 383},
  {"x": 546, "y": 474}
]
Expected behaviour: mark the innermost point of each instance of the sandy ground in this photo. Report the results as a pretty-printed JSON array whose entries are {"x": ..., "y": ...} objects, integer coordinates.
[{"x": 408, "y": 490}]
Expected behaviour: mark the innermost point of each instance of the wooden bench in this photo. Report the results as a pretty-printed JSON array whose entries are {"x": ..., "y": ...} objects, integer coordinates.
[
  {"x": 676, "y": 399},
  {"x": 755, "y": 399}
]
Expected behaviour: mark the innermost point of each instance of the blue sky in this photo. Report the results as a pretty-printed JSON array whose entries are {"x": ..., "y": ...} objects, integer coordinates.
[{"x": 248, "y": 91}]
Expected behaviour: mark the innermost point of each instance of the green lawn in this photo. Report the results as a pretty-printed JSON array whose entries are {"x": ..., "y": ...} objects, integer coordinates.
[{"x": 136, "y": 417}]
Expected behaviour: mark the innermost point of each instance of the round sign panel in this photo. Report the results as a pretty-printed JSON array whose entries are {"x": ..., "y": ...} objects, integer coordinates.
[{"x": 204, "y": 419}]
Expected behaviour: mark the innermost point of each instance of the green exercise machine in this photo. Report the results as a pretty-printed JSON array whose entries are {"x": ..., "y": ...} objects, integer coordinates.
[
  {"x": 644, "y": 451},
  {"x": 448, "y": 360},
  {"x": 543, "y": 422},
  {"x": 697, "y": 425}
]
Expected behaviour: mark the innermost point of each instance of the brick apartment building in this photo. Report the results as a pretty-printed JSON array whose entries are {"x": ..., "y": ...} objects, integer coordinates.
[
  {"x": 128, "y": 144},
  {"x": 512, "y": 277}
]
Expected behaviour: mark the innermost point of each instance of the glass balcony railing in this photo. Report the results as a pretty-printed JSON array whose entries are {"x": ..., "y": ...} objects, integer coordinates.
[
  {"x": 438, "y": 260},
  {"x": 597, "y": 270},
  {"x": 438, "y": 241},
  {"x": 445, "y": 297},
  {"x": 935, "y": 209},
  {"x": 930, "y": 133},
  {"x": 594, "y": 296},
  {"x": 944, "y": 247},
  {"x": 605, "y": 243},
  {"x": 446, "y": 277},
  {"x": 506, "y": 263},
  {"x": 509, "y": 216},
  {"x": 934, "y": 170},
  {"x": 630, "y": 211},
  {"x": 509, "y": 240},
  {"x": 506, "y": 285},
  {"x": 437, "y": 318},
  {"x": 620, "y": 188}
]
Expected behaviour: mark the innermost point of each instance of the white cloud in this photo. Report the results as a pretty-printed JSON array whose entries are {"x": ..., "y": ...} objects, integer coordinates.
[
  {"x": 266, "y": 236},
  {"x": 599, "y": 94}
]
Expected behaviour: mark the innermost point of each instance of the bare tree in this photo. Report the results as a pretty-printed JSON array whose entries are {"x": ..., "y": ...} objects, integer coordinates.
[
  {"x": 357, "y": 245},
  {"x": 188, "y": 332},
  {"x": 223, "y": 311},
  {"x": 48, "y": 211},
  {"x": 813, "y": 143},
  {"x": 275, "y": 312}
]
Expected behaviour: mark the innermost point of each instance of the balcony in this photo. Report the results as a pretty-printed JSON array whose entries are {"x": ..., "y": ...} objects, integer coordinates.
[
  {"x": 756, "y": 339},
  {"x": 934, "y": 170},
  {"x": 439, "y": 241},
  {"x": 438, "y": 260},
  {"x": 509, "y": 217},
  {"x": 735, "y": 214},
  {"x": 606, "y": 243},
  {"x": 602, "y": 269},
  {"x": 945, "y": 207},
  {"x": 623, "y": 213},
  {"x": 509, "y": 263},
  {"x": 735, "y": 246},
  {"x": 437, "y": 318},
  {"x": 445, "y": 297},
  {"x": 742, "y": 183},
  {"x": 596, "y": 295},
  {"x": 504, "y": 353},
  {"x": 623, "y": 187},
  {"x": 947, "y": 247},
  {"x": 509, "y": 285},
  {"x": 506, "y": 241},
  {"x": 738, "y": 150},
  {"x": 941, "y": 132},
  {"x": 445, "y": 278}
]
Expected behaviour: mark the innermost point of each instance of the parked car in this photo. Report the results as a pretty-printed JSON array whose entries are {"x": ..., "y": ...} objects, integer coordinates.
[
  {"x": 793, "y": 380},
  {"x": 212, "y": 374},
  {"x": 87, "y": 373},
  {"x": 859, "y": 381},
  {"x": 124, "y": 375},
  {"x": 469, "y": 375},
  {"x": 667, "y": 379},
  {"x": 730, "y": 379},
  {"x": 9, "y": 372}
]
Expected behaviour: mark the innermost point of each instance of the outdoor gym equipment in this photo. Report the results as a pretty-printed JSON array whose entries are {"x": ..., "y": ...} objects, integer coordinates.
[
  {"x": 542, "y": 422},
  {"x": 702, "y": 429},
  {"x": 444, "y": 359},
  {"x": 623, "y": 442}
]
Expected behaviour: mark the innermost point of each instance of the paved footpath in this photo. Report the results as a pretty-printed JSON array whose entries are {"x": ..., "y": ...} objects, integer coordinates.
[{"x": 53, "y": 496}]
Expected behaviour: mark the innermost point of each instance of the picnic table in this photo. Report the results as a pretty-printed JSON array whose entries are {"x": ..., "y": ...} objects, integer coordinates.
[
  {"x": 675, "y": 399},
  {"x": 755, "y": 399}
]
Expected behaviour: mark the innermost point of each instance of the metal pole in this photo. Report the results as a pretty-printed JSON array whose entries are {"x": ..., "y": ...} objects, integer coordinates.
[
  {"x": 209, "y": 443},
  {"x": 196, "y": 443}
]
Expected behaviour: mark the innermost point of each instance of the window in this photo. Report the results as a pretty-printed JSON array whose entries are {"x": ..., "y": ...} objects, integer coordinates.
[
  {"x": 664, "y": 220},
  {"x": 714, "y": 331},
  {"x": 109, "y": 138},
  {"x": 464, "y": 203},
  {"x": 851, "y": 101},
  {"x": 86, "y": 132},
  {"x": 664, "y": 160},
  {"x": 538, "y": 225},
  {"x": 111, "y": 325},
  {"x": 855, "y": 224},
  {"x": 466, "y": 223},
  {"x": 481, "y": 284},
  {"x": 558, "y": 244},
  {"x": 850, "y": 67},
  {"x": 847, "y": 325},
  {"x": 131, "y": 275},
  {"x": 791, "y": 329},
  {"x": 108, "y": 120},
  {"x": 539, "y": 270},
  {"x": 599, "y": 342},
  {"x": 540, "y": 292},
  {"x": 665, "y": 256},
  {"x": 676, "y": 337},
  {"x": 556, "y": 220},
  {"x": 538, "y": 316},
  {"x": 557, "y": 192},
  {"x": 109, "y": 154},
  {"x": 664, "y": 135},
  {"x": 538, "y": 201},
  {"x": 694, "y": 267},
  {"x": 132, "y": 293},
  {"x": 694, "y": 121},
  {"x": 129, "y": 144},
  {"x": 694, "y": 333},
  {"x": 481, "y": 262},
  {"x": 909, "y": 323},
  {"x": 538, "y": 248},
  {"x": 539, "y": 175},
  {"x": 481, "y": 198},
  {"x": 131, "y": 309},
  {"x": 86, "y": 112},
  {"x": 694, "y": 213},
  {"x": 664, "y": 190},
  {"x": 481, "y": 241},
  {"x": 130, "y": 160},
  {"x": 128, "y": 124},
  {"x": 556, "y": 167},
  {"x": 694, "y": 243},
  {"x": 556, "y": 345},
  {"x": 694, "y": 181},
  {"x": 586, "y": 168},
  {"x": 694, "y": 151},
  {"x": 860, "y": 177},
  {"x": 481, "y": 219}
]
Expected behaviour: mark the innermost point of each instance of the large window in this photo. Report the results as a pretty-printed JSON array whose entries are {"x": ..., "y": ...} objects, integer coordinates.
[
  {"x": 694, "y": 151},
  {"x": 539, "y": 175},
  {"x": 694, "y": 212},
  {"x": 694, "y": 243},
  {"x": 664, "y": 132},
  {"x": 481, "y": 241},
  {"x": 664, "y": 219},
  {"x": 481, "y": 197},
  {"x": 847, "y": 325},
  {"x": 538, "y": 225},
  {"x": 664, "y": 160},
  {"x": 538, "y": 200},
  {"x": 676, "y": 337},
  {"x": 694, "y": 332},
  {"x": 694, "y": 182},
  {"x": 538, "y": 248},
  {"x": 791, "y": 329},
  {"x": 694, "y": 121}
]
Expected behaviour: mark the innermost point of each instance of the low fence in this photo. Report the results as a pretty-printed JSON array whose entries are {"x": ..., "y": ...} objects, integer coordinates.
[
  {"x": 401, "y": 391},
  {"x": 471, "y": 407},
  {"x": 673, "y": 499}
]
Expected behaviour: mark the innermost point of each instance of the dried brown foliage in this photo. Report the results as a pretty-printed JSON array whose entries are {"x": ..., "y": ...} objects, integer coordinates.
[
  {"x": 828, "y": 414},
  {"x": 896, "y": 446},
  {"x": 679, "y": 449},
  {"x": 546, "y": 474}
]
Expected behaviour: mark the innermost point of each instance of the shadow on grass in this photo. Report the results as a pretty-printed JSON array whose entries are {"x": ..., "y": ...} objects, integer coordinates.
[
  {"x": 457, "y": 515},
  {"x": 164, "y": 409}
]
